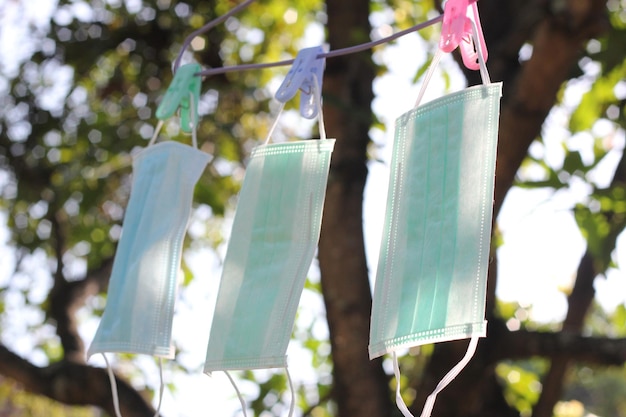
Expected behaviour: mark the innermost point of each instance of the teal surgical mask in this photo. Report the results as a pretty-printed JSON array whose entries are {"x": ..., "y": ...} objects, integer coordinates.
[
  {"x": 432, "y": 272},
  {"x": 273, "y": 240},
  {"x": 142, "y": 290},
  {"x": 274, "y": 237},
  {"x": 430, "y": 283}
]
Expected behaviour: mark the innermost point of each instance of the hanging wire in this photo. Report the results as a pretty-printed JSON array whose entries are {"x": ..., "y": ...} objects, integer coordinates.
[
  {"x": 206, "y": 28},
  {"x": 331, "y": 54}
]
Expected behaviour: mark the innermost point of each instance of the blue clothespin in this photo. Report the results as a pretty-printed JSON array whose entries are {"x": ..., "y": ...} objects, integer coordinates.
[
  {"x": 306, "y": 72},
  {"x": 183, "y": 93}
]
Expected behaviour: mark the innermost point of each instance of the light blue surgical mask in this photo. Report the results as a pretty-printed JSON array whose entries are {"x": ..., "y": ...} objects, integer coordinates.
[
  {"x": 142, "y": 289},
  {"x": 432, "y": 272}
]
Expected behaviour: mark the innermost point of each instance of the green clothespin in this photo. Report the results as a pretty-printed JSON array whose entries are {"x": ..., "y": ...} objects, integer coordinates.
[{"x": 184, "y": 86}]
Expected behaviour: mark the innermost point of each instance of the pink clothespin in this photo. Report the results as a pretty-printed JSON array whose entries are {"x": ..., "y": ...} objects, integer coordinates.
[{"x": 461, "y": 27}]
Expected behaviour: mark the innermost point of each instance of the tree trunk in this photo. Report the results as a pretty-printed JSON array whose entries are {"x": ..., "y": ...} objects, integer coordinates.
[{"x": 360, "y": 385}]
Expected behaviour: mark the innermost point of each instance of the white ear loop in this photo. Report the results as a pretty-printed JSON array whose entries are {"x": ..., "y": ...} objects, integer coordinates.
[
  {"x": 399, "y": 400},
  {"x": 241, "y": 400},
  {"x": 430, "y": 401},
  {"x": 320, "y": 115},
  {"x": 116, "y": 400},
  {"x": 274, "y": 124},
  {"x": 155, "y": 135},
  {"x": 292, "y": 406},
  {"x": 193, "y": 121},
  {"x": 161, "y": 387},
  {"x": 428, "y": 76},
  {"x": 484, "y": 74}
]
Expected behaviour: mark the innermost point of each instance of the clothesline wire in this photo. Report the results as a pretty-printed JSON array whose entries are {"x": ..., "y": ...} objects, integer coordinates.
[
  {"x": 331, "y": 54},
  {"x": 208, "y": 27}
]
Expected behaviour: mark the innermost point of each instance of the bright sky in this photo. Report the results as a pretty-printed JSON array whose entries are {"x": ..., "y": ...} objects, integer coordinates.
[{"x": 531, "y": 270}]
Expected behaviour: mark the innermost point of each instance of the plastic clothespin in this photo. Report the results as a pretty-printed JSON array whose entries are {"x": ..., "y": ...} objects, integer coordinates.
[
  {"x": 469, "y": 44},
  {"x": 184, "y": 84},
  {"x": 306, "y": 71},
  {"x": 454, "y": 24},
  {"x": 460, "y": 18}
]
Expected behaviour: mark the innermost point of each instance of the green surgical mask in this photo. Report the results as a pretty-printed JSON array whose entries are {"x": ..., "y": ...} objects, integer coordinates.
[
  {"x": 432, "y": 272},
  {"x": 272, "y": 244},
  {"x": 431, "y": 279},
  {"x": 274, "y": 237}
]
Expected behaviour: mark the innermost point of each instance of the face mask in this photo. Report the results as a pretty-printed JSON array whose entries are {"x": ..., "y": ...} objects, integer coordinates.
[
  {"x": 140, "y": 302},
  {"x": 431, "y": 279},
  {"x": 432, "y": 272},
  {"x": 274, "y": 236}
]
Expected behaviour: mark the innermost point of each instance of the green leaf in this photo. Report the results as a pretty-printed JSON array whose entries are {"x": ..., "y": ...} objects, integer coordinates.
[{"x": 596, "y": 101}]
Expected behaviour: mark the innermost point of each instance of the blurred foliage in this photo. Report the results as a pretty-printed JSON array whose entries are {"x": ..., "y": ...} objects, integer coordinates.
[
  {"x": 15, "y": 402},
  {"x": 521, "y": 383},
  {"x": 595, "y": 123},
  {"x": 599, "y": 391},
  {"x": 79, "y": 102},
  {"x": 588, "y": 389}
]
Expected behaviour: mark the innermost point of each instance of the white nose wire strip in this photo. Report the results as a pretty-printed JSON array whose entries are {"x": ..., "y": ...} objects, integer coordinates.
[
  {"x": 241, "y": 400},
  {"x": 116, "y": 400}
]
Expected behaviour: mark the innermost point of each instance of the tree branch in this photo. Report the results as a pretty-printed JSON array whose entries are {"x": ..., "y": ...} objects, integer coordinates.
[
  {"x": 360, "y": 386},
  {"x": 528, "y": 100},
  {"x": 73, "y": 384},
  {"x": 66, "y": 297},
  {"x": 524, "y": 344},
  {"x": 579, "y": 302}
]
